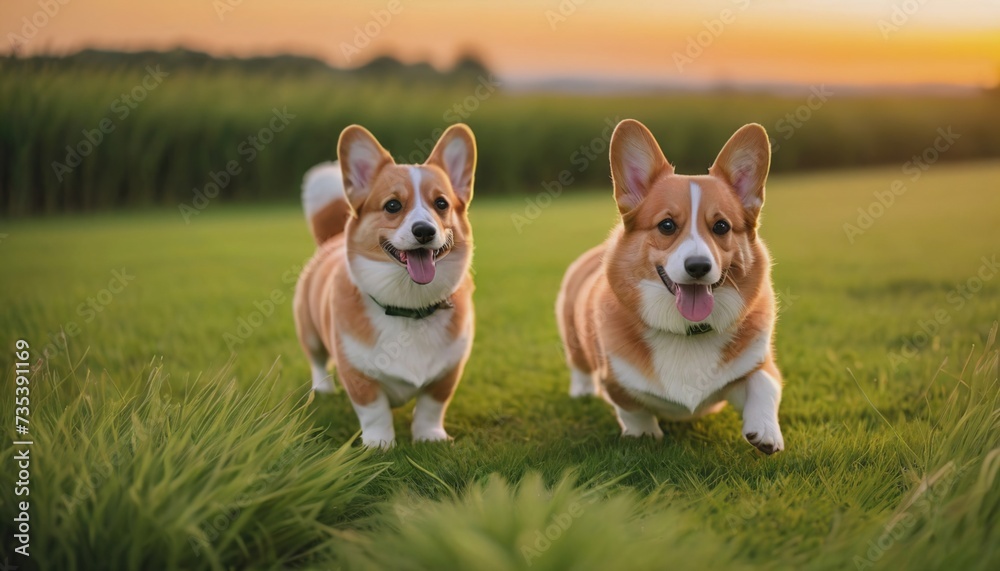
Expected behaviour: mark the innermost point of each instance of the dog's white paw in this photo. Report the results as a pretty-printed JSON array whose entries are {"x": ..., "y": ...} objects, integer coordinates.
[
  {"x": 322, "y": 381},
  {"x": 760, "y": 412},
  {"x": 765, "y": 435},
  {"x": 380, "y": 442},
  {"x": 325, "y": 387},
  {"x": 431, "y": 434},
  {"x": 655, "y": 432},
  {"x": 376, "y": 423},
  {"x": 581, "y": 384},
  {"x": 428, "y": 420},
  {"x": 638, "y": 423}
]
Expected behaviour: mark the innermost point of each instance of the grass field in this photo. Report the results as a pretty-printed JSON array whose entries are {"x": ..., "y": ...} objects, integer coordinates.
[
  {"x": 70, "y": 143},
  {"x": 173, "y": 425}
]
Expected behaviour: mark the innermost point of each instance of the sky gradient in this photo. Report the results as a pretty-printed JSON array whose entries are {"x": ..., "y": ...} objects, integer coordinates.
[{"x": 856, "y": 42}]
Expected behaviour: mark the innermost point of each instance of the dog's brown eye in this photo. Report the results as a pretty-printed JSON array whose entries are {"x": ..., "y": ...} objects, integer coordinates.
[
  {"x": 721, "y": 227},
  {"x": 668, "y": 226},
  {"x": 393, "y": 206},
  {"x": 441, "y": 204}
]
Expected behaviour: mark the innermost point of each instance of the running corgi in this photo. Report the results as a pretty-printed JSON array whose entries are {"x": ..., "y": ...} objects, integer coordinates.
[
  {"x": 388, "y": 296},
  {"x": 674, "y": 314}
]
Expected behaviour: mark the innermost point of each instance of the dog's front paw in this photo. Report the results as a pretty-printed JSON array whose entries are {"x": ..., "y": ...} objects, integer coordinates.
[
  {"x": 380, "y": 442},
  {"x": 764, "y": 435},
  {"x": 433, "y": 434},
  {"x": 639, "y": 423},
  {"x": 581, "y": 384},
  {"x": 322, "y": 382},
  {"x": 654, "y": 431},
  {"x": 324, "y": 387}
]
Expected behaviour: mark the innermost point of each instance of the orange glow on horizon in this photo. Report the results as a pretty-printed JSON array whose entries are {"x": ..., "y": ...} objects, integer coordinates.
[{"x": 731, "y": 41}]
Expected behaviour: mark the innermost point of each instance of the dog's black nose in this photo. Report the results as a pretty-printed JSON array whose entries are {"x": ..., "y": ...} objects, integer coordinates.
[
  {"x": 697, "y": 266},
  {"x": 423, "y": 232}
]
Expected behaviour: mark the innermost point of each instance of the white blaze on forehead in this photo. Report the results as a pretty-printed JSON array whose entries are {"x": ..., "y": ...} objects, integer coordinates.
[
  {"x": 415, "y": 177},
  {"x": 420, "y": 211},
  {"x": 692, "y": 245},
  {"x": 693, "y": 234}
]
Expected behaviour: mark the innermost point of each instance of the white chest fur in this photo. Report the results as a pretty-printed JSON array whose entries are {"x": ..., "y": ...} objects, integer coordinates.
[
  {"x": 407, "y": 353},
  {"x": 687, "y": 370}
]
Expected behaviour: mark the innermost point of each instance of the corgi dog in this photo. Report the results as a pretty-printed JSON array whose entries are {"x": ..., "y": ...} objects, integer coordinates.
[
  {"x": 388, "y": 295},
  {"x": 673, "y": 315}
]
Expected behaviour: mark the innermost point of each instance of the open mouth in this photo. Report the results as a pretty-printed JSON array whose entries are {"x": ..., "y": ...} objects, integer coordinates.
[
  {"x": 420, "y": 263},
  {"x": 694, "y": 301}
]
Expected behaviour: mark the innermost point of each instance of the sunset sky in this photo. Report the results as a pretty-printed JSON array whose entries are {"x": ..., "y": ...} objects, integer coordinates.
[{"x": 854, "y": 42}]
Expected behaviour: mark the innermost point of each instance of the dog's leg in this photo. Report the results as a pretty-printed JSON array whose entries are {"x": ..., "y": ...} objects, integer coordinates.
[
  {"x": 318, "y": 357},
  {"x": 321, "y": 378},
  {"x": 372, "y": 407},
  {"x": 376, "y": 422},
  {"x": 635, "y": 419},
  {"x": 639, "y": 422},
  {"x": 758, "y": 397},
  {"x": 432, "y": 402},
  {"x": 582, "y": 380},
  {"x": 581, "y": 384},
  {"x": 428, "y": 419}
]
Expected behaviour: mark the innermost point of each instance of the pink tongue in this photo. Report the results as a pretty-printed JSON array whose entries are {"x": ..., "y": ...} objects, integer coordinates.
[
  {"x": 694, "y": 301},
  {"x": 420, "y": 265}
]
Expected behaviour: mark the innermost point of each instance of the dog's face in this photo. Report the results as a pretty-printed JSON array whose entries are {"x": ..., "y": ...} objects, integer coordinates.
[
  {"x": 409, "y": 242},
  {"x": 686, "y": 242}
]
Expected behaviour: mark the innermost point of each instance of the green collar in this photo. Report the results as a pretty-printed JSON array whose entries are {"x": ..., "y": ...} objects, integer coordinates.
[
  {"x": 418, "y": 313},
  {"x": 698, "y": 329}
]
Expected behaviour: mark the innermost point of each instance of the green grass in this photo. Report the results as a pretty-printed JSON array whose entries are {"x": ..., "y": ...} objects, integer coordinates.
[{"x": 149, "y": 430}]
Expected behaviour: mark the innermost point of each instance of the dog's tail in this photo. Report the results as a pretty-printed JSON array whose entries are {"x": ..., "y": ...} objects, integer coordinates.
[{"x": 324, "y": 202}]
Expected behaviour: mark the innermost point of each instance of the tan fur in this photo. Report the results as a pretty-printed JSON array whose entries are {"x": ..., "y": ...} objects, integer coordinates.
[
  {"x": 462, "y": 300},
  {"x": 330, "y": 221},
  {"x": 442, "y": 390},
  {"x": 579, "y": 276},
  {"x": 619, "y": 394},
  {"x": 361, "y": 388},
  {"x": 759, "y": 315}
]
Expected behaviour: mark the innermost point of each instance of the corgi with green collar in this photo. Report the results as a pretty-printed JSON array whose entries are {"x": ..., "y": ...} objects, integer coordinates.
[
  {"x": 387, "y": 298},
  {"x": 673, "y": 316}
]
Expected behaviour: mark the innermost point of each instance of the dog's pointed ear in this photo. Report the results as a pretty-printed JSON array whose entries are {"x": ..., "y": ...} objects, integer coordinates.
[
  {"x": 636, "y": 161},
  {"x": 455, "y": 153},
  {"x": 361, "y": 157},
  {"x": 744, "y": 162}
]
